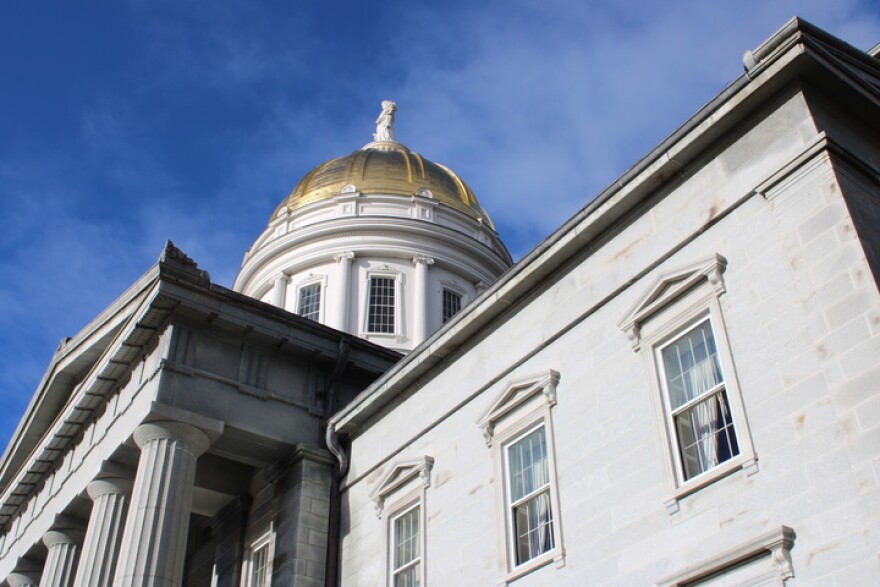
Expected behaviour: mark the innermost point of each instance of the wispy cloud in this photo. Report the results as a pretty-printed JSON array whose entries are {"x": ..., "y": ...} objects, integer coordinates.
[{"x": 211, "y": 113}]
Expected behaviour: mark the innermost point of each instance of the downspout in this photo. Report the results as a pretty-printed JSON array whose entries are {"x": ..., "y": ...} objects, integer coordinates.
[{"x": 334, "y": 528}]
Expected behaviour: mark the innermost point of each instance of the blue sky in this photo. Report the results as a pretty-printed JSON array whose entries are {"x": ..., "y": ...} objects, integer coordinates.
[{"x": 127, "y": 123}]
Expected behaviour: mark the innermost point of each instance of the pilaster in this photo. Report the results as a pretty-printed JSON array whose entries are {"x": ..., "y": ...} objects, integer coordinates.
[
  {"x": 420, "y": 294},
  {"x": 279, "y": 290},
  {"x": 302, "y": 490},
  {"x": 343, "y": 291}
]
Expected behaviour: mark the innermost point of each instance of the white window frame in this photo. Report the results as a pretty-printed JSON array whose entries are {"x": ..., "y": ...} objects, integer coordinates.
[
  {"x": 320, "y": 280},
  {"x": 398, "y": 299},
  {"x": 676, "y": 302},
  {"x": 418, "y": 560},
  {"x": 265, "y": 540},
  {"x": 523, "y": 406},
  {"x": 403, "y": 488}
]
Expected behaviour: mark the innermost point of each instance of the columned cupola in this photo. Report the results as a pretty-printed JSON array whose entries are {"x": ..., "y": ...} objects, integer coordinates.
[{"x": 382, "y": 243}]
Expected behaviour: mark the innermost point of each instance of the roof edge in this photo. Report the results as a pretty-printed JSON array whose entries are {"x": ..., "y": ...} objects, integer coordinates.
[{"x": 787, "y": 42}]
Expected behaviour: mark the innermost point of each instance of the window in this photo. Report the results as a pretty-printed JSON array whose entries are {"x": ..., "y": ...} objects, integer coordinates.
[
  {"x": 381, "y": 305},
  {"x": 529, "y": 495},
  {"x": 451, "y": 304},
  {"x": 309, "y": 303},
  {"x": 405, "y": 485},
  {"x": 258, "y": 561},
  {"x": 518, "y": 428},
  {"x": 678, "y": 318},
  {"x": 696, "y": 400},
  {"x": 406, "y": 556}
]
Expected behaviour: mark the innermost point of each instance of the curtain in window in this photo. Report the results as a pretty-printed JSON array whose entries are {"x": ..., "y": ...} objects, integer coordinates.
[
  {"x": 530, "y": 496},
  {"x": 703, "y": 426}
]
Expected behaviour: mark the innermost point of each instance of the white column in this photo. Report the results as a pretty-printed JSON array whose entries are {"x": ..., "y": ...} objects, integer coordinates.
[
  {"x": 279, "y": 290},
  {"x": 420, "y": 299},
  {"x": 343, "y": 290},
  {"x": 60, "y": 564},
  {"x": 101, "y": 545},
  {"x": 154, "y": 541}
]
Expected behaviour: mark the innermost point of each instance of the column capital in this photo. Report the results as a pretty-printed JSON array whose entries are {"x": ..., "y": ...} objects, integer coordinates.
[
  {"x": 62, "y": 536},
  {"x": 23, "y": 579},
  {"x": 344, "y": 255},
  {"x": 195, "y": 439},
  {"x": 423, "y": 259},
  {"x": 114, "y": 485},
  {"x": 282, "y": 277}
]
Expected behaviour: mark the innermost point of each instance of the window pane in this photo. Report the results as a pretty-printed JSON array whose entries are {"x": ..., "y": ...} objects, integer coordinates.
[
  {"x": 530, "y": 496},
  {"x": 310, "y": 301},
  {"x": 408, "y": 577},
  {"x": 533, "y": 527},
  {"x": 380, "y": 313},
  {"x": 692, "y": 365},
  {"x": 706, "y": 435},
  {"x": 451, "y": 304},
  {"x": 406, "y": 538},
  {"x": 527, "y": 459},
  {"x": 260, "y": 567}
]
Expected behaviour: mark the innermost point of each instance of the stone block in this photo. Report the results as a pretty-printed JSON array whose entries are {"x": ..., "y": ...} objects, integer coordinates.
[
  {"x": 823, "y": 220},
  {"x": 854, "y": 305},
  {"x": 861, "y": 357}
]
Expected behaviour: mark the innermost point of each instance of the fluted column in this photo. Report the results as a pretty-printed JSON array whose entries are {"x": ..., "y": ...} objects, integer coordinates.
[
  {"x": 279, "y": 291},
  {"x": 60, "y": 566},
  {"x": 343, "y": 290},
  {"x": 154, "y": 541},
  {"x": 101, "y": 545},
  {"x": 420, "y": 301}
]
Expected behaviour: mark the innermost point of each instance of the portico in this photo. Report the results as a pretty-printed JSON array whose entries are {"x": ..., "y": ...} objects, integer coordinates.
[{"x": 162, "y": 433}]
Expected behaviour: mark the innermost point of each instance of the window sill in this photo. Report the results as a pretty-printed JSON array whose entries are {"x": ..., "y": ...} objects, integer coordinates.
[
  {"x": 747, "y": 463},
  {"x": 556, "y": 556}
]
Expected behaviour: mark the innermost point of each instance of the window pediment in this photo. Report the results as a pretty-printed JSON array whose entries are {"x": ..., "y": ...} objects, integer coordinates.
[
  {"x": 399, "y": 475},
  {"x": 669, "y": 286},
  {"x": 515, "y": 394}
]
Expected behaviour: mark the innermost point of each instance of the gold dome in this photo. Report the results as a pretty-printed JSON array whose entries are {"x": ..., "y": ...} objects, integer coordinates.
[{"x": 385, "y": 167}]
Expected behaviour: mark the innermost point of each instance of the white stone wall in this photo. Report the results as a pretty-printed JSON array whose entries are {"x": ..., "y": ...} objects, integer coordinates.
[{"x": 802, "y": 317}]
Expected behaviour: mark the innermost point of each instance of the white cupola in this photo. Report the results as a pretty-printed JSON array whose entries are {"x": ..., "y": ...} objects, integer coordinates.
[{"x": 381, "y": 243}]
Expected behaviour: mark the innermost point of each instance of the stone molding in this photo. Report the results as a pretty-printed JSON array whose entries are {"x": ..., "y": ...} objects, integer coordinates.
[
  {"x": 193, "y": 438},
  {"x": 101, "y": 487},
  {"x": 62, "y": 536},
  {"x": 777, "y": 543},
  {"x": 399, "y": 475},
  {"x": 515, "y": 394},
  {"x": 422, "y": 260},
  {"x": 23, "y": 579},
  {"x": 667, "y": 287}
]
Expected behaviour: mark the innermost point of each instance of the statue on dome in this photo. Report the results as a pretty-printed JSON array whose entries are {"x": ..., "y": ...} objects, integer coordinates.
[{"x": 385, "y": 122}]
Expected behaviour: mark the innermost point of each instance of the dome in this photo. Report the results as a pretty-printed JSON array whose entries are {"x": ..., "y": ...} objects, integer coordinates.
[
  {"x": 382, "y": 244},
  {"x": 385, "y": 167}
]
